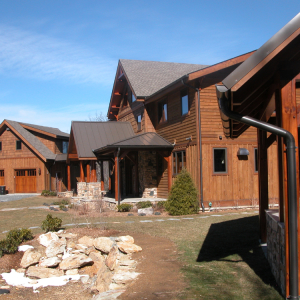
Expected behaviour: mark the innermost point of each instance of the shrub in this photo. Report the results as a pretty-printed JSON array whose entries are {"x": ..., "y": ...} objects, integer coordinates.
[
  {"x": 183, "y": 198},
  {"x": 144, "y": 204},
  {"x": 51, "y": 224},
  {"x": 125, "y": 207},
  {"x": 62, "y": 206},
  {"x": 48, "y": 193},
  {"x": 13, "y": 239},
  {"x": 160, "y": 204}
]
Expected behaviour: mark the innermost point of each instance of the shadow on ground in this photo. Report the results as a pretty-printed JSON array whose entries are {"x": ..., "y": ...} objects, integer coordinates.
[{"x": 228, "y": 239}]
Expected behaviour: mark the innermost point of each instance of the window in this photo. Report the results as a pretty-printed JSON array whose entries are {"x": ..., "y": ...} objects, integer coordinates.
[
  {"x": 139, "y": 122},
  {"x": 132, "y": 97},
  {"x": 65, "y": 145},
  {"x": 162, "y": 111},
  {"x": 220, "y": 160},
  {"x": 18, "y": 145},
  {"x": 255, "y": 160},
  {"x": 179, "y": 161},
  {"x": 0, "y": 146},
  {"x": 184, "y": 102}
]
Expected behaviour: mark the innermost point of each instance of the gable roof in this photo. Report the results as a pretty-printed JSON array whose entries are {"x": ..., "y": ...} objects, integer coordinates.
[
  {"x": 32, "y": 141},
  {"x": 143, "y": 141},
  {"x": 93, "y": 135},
  {"x": 55, "y": 132},
  {"x": 148, "y": 77}
]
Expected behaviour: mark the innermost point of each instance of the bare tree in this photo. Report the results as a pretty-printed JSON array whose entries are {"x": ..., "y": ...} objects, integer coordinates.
[{"x": 98, "y": 117}]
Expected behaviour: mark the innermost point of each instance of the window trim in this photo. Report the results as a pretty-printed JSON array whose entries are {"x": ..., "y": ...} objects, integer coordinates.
[
  {"x": 176, "y": 164},
  {"x": 226, "y": 161},
  {"x": 161, "y": 104},
  {"x": 17, "y": 145},
  {"x": 184, "y": 93}
]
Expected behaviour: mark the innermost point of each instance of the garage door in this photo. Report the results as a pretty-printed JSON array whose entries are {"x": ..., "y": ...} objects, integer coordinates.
[{"x": 25, "y": 181}]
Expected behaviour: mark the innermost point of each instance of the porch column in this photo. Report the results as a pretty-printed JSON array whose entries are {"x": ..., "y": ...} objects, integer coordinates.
[
  {"x": 263, "y": 182},
  {"x": 88, "y": 172},
  {"x": 109, "y": 177},
  {"x": 169, "y": 172},
  {"x": 81, "y": 172},
  {"x": 117, "y": 179},
  {"x": 136, "y": 179},
  {"x": 69, "y": 177}
]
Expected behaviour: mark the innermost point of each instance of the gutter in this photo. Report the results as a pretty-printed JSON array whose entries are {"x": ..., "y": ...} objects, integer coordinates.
[
  {"x": 199, "y": 145},
  {"x": 222, "y": 94}
]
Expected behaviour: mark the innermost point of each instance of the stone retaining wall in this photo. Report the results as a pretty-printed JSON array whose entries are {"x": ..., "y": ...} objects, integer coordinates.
[
  {"x": 89, "y": 190},
  {"x": 276, "y": 247}
]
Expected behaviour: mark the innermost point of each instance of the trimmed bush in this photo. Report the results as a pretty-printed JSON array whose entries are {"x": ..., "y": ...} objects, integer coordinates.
[
  {"x": 183, "y": 198},
  {"x": 125, "y": 207},
  {"x": 144, "y": 204},
  {"x": 160, "y": 204},
  {"x": 51, "y": 224},
  {"x": 13, "y": 239},
  {"x": 48, "y": 193}
]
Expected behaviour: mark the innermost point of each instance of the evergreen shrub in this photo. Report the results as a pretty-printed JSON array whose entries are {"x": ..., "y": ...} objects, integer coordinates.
[
  {"x": 125, "y": 207},
  {"x": 144, "y": 204},
  {"x": 182, "y": 198},
  {"x": 51, "y": 224}
]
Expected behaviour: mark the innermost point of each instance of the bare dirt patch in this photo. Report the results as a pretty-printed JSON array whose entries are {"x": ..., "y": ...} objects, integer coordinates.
[{"x": 160, "y": 271}]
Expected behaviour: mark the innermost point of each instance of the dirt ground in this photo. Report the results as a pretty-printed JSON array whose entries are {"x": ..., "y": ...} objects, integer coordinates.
[{"x": 160, "y": 276}]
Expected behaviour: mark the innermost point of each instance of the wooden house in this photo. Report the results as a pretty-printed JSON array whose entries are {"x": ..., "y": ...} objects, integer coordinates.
[
  {"x": 177, "y": 102},
  {"x": 32, "y": 157}
]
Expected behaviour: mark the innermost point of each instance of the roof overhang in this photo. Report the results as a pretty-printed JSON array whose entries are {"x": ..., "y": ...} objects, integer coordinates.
[{"x": 250, "y": 88}]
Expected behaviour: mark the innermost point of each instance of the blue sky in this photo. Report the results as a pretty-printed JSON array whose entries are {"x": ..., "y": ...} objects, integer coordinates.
[{"x": 58, "y": 58}]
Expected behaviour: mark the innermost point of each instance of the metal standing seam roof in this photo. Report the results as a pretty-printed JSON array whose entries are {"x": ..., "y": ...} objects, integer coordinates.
[
  {"x": 51, "y": 130},
  {"x": 148, "y": 140},
  {"x": 148, "y": 77},
  {"x": 93, "y": 135},
  {"x": 32, "y": 140}
]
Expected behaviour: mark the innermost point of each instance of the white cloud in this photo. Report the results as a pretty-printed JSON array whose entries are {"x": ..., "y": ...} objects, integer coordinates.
[
  {"x": 38, "y": 56},
  {"x": 60, "y": 118}
]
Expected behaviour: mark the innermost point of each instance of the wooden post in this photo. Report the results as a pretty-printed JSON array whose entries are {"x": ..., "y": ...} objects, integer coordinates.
[
  {"x": 88, "y": 178},
  {"x": 136, "y": 179},
  {"x": 169, "y": 172},
  {"x": 263, "y": 182},
  {"x": 109, "y": 178},
  {"x": 116, "y": 178},
  {"x": 93, "y": 172},
  {"x": 81, "y": 172},
  {"x": 102, "y": 177},
  {"x": 69, "y": 177},
  {"x": 289, "y": 122}
]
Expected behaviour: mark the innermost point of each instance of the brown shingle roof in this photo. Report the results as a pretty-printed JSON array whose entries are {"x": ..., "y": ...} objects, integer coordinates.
[
  {"x": 148, "y": 77},
  {"x": 51, "y": 130},
  {"x": 93, "y": 135}
]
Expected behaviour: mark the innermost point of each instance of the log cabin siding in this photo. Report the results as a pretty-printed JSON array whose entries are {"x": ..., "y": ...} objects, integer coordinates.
[{"x": 131, "y": 116}]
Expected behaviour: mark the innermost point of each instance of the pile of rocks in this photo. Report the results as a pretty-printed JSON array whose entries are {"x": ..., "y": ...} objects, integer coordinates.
[{"x": 106, "y": 261}]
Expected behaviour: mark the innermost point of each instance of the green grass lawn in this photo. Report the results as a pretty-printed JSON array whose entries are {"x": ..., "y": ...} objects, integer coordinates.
[{"x": 221, "y": 255}]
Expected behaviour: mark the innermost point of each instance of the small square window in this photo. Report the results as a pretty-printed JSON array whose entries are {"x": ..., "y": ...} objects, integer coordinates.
[
  {"x": 184, "y": 102},
  {"x": 0, "y": 146},
  {"x": 139, "y": 122},
  {"x": 18, "y": 145},
  {"x": 162, "y": 111},
  {"x": 255, "y": 160},
  {"x": 220, "y": 160}
]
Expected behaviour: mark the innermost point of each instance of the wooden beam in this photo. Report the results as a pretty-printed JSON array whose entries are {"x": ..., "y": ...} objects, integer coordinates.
[
  {"x": 102, "y": 177},
  {"x": 271, "y": 139},
  {"x": 81, "y": 172},
  {"x": 88, "y": 178},
  {"x": 169, "y": 172},
  {"x": 263, "y": 182},
  {"x": 117, "y": 196},
  {"x": 93, "y": 172},
  {"x": 136, "y": 192},
  {"x": 69, "y": 177}
]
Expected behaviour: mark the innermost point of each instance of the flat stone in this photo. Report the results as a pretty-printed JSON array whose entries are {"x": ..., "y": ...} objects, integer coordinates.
[
  {"x": 103, "y": 281},
  {"x": 125, "y": 238},
  {"x": 47, "y": 238},
  {"x": 96, "y": 256},
  {"x": 21, "y": 270},
  {"x": 141, "y": 214},
  {"x": 103, "y": 244},
  {"x": 87, "y": 241},
  {"x": 50, "y": 262},
  {"x": 41, "y": 272},
  {"x": 30, "y": 257},
  {"x": 147, "y": 211},
  {"x": 122, "y": 278},
  {"x": 111, "y": 259},
  {"x": 157, "y": 213},
  {"x": 56, "y": 247},
  {"x": 72, "y": 272},
  {"x": 67, "y": 235},
  {"x": 74, "y": 262},
  {"x": 128, "y": 247}
]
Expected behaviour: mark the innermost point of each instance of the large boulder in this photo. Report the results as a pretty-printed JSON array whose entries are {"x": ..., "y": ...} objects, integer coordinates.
[
  {"x": 147, "y": 211},
  {"x": 125, "y": 238},
  {"x": 128, "y": 247},
  {"x": 41, "y": 272},
  {"x": 30, "y": 257},
  {"x": 87, "y": 241},
  {"x": 104, "y": 244},
  {"x": 56, "y": 247},
  {"x": 47, "y": 238},
  {"x": 74, "y": 262},
  {"x": 50, "y": 262},
  {"x": 103, "y": 281},
  {"x": 111, "y": 259}
]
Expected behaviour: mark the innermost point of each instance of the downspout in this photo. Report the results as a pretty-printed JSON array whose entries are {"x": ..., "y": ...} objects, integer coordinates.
[
  {"x": 292, "y": 181},
  {"x": 200, "y": 144},
  {"x": 118, "y": 170}
]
